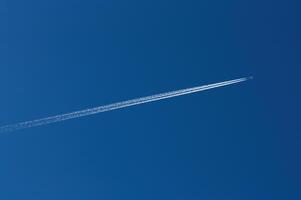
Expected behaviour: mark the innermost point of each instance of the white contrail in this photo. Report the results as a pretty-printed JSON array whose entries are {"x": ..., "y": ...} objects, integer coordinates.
[{"x": 114, "y": 106}]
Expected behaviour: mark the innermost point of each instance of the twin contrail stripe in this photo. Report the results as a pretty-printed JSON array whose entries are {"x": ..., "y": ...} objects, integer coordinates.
[{"x": 114, "y": 106}]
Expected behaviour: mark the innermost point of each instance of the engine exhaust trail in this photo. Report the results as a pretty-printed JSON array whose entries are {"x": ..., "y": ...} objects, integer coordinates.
[{"x": 114, "y": 106}]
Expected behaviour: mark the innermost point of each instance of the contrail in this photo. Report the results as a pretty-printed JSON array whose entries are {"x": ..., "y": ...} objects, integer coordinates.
[{"x": 114, "y": 106}]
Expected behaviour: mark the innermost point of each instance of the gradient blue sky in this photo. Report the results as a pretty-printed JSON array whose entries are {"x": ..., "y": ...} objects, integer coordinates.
[{"x": 238, "y": 142}]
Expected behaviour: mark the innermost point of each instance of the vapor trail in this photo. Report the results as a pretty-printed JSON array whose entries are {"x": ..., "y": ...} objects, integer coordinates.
[{"x": 114, "y": 106}]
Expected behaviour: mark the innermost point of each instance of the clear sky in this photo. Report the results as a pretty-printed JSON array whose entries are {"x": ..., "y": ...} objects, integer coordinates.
[{"x": 236, "y": 142}]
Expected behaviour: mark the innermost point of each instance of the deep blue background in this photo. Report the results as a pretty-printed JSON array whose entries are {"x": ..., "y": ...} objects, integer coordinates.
[{"x": 237, "y": 142}]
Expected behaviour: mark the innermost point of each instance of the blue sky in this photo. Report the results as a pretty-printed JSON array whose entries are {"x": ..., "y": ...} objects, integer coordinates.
[{"x": 237, "y": 142}]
